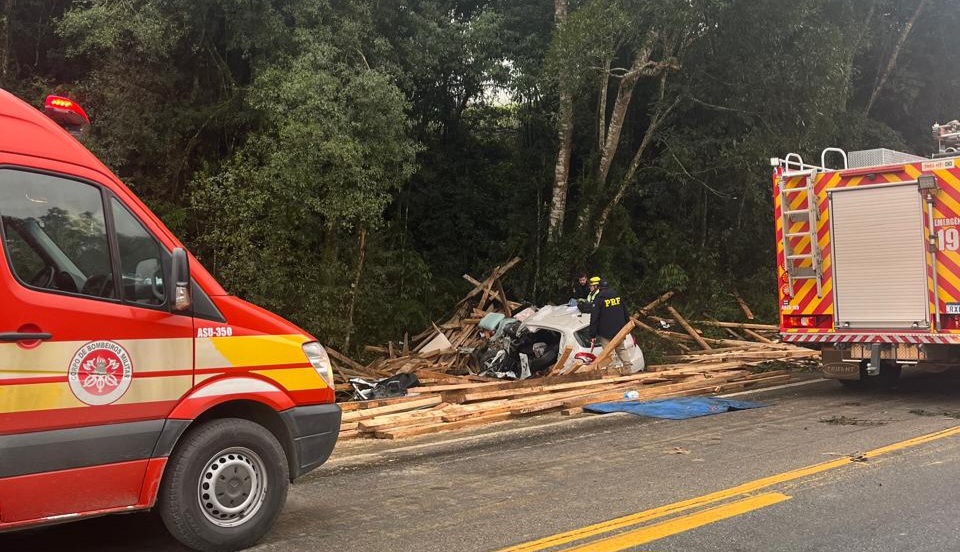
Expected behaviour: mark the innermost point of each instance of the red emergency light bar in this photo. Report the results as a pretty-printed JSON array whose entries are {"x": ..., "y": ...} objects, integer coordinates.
[{"x": 66, "y": 113}]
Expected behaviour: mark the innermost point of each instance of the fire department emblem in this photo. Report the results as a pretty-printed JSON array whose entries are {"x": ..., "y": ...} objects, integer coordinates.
[{"x": 100, "y": 372}]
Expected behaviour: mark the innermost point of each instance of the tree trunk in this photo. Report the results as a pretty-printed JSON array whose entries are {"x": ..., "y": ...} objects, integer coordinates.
[
  {"x": 620, "y": 106},
  {"x": 892, "y": 63},
  {"x": 330, "y": 245},
  {"x": 355, "y": 289},
  {"x": 561, "y": 171},
  {"x": 602, "y": 106},
  {"x": 655, "y": 123},
  {"x": 6, "y": 40}
]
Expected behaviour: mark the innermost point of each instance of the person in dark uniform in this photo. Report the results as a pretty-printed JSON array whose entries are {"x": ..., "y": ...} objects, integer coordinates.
[
  {"x": 607, "y": 318},
  {"x": 581, "y": 288}
]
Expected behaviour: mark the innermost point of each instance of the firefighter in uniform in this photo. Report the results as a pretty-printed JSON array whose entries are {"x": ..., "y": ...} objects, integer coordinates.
[{"x": 608, "y": 317}]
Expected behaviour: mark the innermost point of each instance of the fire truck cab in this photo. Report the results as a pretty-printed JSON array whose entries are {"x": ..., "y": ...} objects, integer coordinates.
[
  {"x": 129, "y": 378},
  {"x": 868, "y": 257}
]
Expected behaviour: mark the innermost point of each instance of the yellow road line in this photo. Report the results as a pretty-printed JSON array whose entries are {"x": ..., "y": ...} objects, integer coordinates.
[
  {"x": 679, "y": 525},
  {"x": 749, "y": 487}
]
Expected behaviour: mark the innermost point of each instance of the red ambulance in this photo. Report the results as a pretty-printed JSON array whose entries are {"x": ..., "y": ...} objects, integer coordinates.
[{"x": 129, "y": 379}]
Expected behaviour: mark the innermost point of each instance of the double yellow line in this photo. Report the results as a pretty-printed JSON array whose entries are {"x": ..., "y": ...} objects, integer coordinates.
[{"x": 673, "y": 526}]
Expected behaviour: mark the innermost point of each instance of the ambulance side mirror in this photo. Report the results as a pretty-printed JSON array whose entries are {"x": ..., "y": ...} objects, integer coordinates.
[{"x": 180, "y": 289}]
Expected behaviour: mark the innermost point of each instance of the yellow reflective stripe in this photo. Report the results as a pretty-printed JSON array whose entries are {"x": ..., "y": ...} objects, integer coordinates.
[
  {"x": 248, "y": 351},
  {"x": 294, "y": 379},
  {"x": 53, "y": 396}
]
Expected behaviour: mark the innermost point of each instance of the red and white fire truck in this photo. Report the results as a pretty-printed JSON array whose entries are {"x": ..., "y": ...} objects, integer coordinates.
[
  {"x": 129, "y": 379},
  {"x": 868, "y": 257}
]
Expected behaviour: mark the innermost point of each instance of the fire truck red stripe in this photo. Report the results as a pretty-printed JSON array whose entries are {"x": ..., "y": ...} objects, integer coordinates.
[
  {"x": 950, "y": 191},
  {"x": 944, "y": 208}
]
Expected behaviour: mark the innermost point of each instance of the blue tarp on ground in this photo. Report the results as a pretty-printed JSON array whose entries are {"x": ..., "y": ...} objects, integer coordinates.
[{"x": 673, "y": 409}]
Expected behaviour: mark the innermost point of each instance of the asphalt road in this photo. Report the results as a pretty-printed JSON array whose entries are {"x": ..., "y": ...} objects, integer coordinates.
[{"x": 822, "y": 468}]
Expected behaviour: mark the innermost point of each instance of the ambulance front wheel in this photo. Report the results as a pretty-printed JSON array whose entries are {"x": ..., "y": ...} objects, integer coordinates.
[{"x": 224, "y": 486}]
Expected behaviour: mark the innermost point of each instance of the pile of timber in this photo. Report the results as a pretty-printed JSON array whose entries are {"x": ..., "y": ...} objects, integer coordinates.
[
  {"x": 442, "y": 349},
  {"x": 436, "y": 408},
  {"x": 450, "y": 397}
]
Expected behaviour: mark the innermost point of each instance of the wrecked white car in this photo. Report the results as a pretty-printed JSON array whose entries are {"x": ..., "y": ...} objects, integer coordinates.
[{"x": 532, "y": 342}]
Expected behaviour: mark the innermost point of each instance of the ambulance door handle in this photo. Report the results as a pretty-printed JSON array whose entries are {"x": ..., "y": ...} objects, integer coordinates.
[{"x": 20, "y": 336}]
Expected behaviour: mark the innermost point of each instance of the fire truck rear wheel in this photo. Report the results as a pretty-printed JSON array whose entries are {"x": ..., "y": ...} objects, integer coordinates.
[
  {"x": 224, "y": 486},
  {"x": 888, "y": 377}
]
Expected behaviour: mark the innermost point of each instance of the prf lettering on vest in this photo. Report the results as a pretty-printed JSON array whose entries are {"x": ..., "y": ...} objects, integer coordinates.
[{"x": 611, "y": 302}]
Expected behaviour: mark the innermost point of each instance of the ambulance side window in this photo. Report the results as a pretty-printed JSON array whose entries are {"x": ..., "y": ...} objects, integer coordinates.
[
  {"x": 141, "y": 267},
  {"x": 61, "y": 223},
  {"x": 22, "y": 255}
]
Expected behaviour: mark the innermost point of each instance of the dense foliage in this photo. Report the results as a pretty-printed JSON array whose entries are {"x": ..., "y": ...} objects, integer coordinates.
[{"x": 344, "y": 162}]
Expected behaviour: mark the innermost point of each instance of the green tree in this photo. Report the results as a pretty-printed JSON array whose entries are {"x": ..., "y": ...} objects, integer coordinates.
[{"x": 333, "y": 144}]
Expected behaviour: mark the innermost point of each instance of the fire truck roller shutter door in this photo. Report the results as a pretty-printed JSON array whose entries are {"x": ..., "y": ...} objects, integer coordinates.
[{"x": 880, "y": 268}]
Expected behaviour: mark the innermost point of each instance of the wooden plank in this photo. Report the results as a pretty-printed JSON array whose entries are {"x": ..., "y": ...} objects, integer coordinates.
[
  {"x": 649, "y": 307},
  {"x": 756, "y": 336},
  {"x": 497, "y": 272},
  {"x": 651, "y": 329},
  {"x": 561, "y": 361},
  {"x": 400, "y": 419},
  {"x": 459, "y": 412},
  {"x": 451, "y": 387},
  {"x": 358, "y": 415},
  {"x": 350, "y": 406},
  {"x": 740, "y": 325},
  {"x": 436, "y": 428},
  {"x": 688, "y": 328},
  {"x": 550, "y": 403},
  {"x": 723, "y": 342},
  {"x": 743, "y": 306},
  {"x": 702, "y": 386},
  {"x": 545, "y": 389},
  {"x": 711, "y": 321},
  {"x": 346, "y": 360},
  {"x": 690, "y": 367},
  {"x": 645, "y": 392},
  {"x": 612, "y": 344},
  {"x": 502, "y": 296}
]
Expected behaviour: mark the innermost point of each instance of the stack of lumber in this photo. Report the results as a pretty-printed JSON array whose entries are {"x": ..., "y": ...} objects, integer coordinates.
[
  {"x": 450, "y": 398},
  {"x": 442, "y": 349},
  {"x": 436, "y": 408}
]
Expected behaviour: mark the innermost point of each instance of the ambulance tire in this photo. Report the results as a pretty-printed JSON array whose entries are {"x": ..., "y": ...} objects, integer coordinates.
[{"x": 196, "y": 460}]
